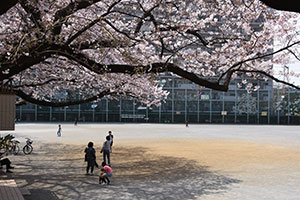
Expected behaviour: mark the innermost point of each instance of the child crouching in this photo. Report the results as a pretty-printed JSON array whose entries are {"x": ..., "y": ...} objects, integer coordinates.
[{"x": 105, "y": 173}]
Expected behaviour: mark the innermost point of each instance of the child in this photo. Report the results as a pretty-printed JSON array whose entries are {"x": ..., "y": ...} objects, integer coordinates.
[
  {"x": 111, "y": 140},
  {"x": 59, "y": 131},
  {"x": 90, "y": 157},
  {"x": 101, "y": 177},
  {"x": 105, "y": 173},
  {"x": 106, "y": 150}
]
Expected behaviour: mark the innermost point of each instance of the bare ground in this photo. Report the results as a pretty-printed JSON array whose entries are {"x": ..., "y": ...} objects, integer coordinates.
[{"x": 172, "y": 167}]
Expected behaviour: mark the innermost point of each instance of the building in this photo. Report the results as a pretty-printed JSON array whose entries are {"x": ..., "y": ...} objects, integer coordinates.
[{"x": 184, "y": 103}]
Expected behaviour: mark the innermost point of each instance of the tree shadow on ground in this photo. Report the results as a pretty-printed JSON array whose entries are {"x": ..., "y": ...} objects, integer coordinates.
[{"x": 138, "y": 174}]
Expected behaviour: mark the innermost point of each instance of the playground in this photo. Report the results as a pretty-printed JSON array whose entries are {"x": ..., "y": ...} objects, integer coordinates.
[{"x": 161, "y": 161}]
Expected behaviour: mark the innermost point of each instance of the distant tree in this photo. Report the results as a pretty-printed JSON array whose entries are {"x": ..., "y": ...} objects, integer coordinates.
[
  {"x": 116, "y": 47},
  {"x": 247, "y": 104},
  {"x": 293, "y": 103}
]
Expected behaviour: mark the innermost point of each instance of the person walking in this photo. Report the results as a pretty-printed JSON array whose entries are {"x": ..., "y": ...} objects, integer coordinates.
[
  {"x": 59, "y": 131},
  {"x": 111, "y": 140},
  {"x": 106, "y": 150},
  {"x": 90, "y": 158}
]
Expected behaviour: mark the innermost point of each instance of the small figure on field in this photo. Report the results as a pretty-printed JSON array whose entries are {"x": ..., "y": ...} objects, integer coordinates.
[
  {"x": 90, "y": 158},
  {"x": 105, "y": 174},
  {"x": 111, "y": 140},
  {"x": 75, "y": 122},
  {"x": 186, "y": 123},
  {"x": 59, "y": 130},
  {"x": 106, "y": 150},
  {"x": 6, "y": 161}
]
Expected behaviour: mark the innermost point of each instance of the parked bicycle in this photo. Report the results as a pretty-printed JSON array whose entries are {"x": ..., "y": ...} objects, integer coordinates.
[
  {"x": 27, "y": 149},
  {"x": 8, "y": 145},
  {"x": 14, "y": 147}
]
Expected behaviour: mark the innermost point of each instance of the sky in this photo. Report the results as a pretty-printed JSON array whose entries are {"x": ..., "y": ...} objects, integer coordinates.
[{"x": 295, "y": 67}]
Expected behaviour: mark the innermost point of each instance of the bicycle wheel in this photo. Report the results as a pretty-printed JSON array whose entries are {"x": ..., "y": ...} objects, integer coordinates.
[
  {"x": 27, "y": 149},
  {"x": 15, "y": 149},
  {"x": 3, "y": 151}
]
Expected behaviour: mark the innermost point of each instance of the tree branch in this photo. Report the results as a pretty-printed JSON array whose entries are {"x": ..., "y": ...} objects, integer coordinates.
[
  {"x": 270, "y": 76},
  {"x": 194, "y": 32},
  {"x": 60, "y": 15},
  {"x": 29, "y": 98},
  {"x": 37, "y": 84},
  {"x": 34, "y": 13},
  {"x": 256, "y": 57},
  {"x": 92, "y": 23},
  {"x": 146, "y": 14}
]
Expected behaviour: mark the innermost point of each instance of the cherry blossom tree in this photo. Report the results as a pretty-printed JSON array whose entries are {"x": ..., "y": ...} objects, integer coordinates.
[
  {"x": 117, "y": 47},
  {"x": 285, "y": 5}
]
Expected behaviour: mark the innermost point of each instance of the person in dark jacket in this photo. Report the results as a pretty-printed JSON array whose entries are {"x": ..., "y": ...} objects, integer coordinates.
[
  {"x": 111, "y": 140},
  {"x": 6, "y": 161},
  {"x": 90, "y": 158}
]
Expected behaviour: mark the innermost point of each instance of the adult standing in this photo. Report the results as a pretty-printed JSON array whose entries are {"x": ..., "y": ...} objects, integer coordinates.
[
  {"x": 111, "y": 140},
  {"x": 90, "y": 157},
  {"x": 106, "y": 150}
]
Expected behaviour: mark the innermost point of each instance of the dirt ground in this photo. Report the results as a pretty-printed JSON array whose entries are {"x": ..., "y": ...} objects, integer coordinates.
[{"x": 164, "y": 168}]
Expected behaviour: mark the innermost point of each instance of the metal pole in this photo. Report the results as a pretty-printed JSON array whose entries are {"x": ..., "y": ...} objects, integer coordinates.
[
  {"x": 106, "y": 110},
  {"x": 35, "y": 112},
  {"x": 93, "y": 114},
  {"x": 269, "y": 104},
  {"x": 20, "y": 113},
  {"x": 235, "y": 103},
  {"x": 65, "y": 113},
  {"x": 120, "y": 113},
  {"x": 248, "y": 104},
  {"x": 288, "y": 105},
  {"x": 258, "y": 103},
  {"x": 278, "y": 105},
  {"x": 173, "y": 80},
  {"x": 159, "y": 114},
  {"x": 288, "y": 73},
  {"x": 198, "y": 109},
  {"x": 210, "y": 106},
  {"x": 50, "y": 114},
  {"x": 147, "y": 114},
  {"x": 133, "y": 110},
  {"x": 185, "y": 105},
  {"x": 79, "y": 108},
  {"x": 223, "y": 107}
]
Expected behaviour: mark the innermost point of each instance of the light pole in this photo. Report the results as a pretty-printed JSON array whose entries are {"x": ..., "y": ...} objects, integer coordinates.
[
  {"x": 287, "y": 69},
  {"x": 93, "y": 106},
  {"x": 161, "y": 83},
  {"x": 278, "y": 105}
]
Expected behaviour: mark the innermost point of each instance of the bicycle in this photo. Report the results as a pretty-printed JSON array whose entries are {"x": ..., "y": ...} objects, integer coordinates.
[
  {"x": 14, "y": 147},
  {"x": 8, "y": 145},
  {"x": 27, "y": 149}
]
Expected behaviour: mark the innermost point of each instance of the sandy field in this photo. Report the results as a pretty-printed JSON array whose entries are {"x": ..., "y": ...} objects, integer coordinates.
[{"x": 158, "y": 161}]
